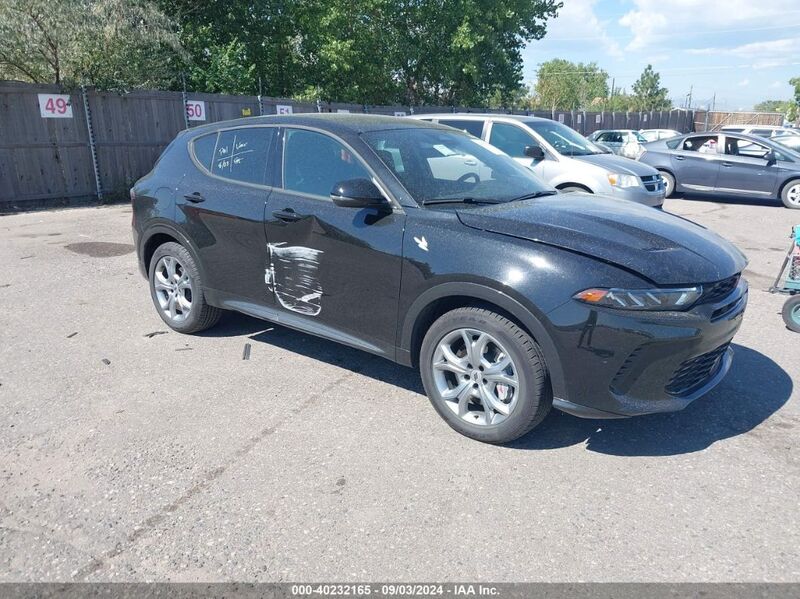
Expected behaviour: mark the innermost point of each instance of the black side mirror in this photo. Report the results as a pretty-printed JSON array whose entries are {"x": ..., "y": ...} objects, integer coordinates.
[
  {"x": 535, "y": 152},
  {"x": 357, "y": 193},
  {"x": 771, "y": 158}
]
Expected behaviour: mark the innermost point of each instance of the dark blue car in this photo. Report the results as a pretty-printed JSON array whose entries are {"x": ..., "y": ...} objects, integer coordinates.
[{"x": 727, "y": 164}]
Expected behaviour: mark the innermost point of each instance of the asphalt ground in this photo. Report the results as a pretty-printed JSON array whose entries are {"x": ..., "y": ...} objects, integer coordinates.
[{"x": 131, "y": 456}]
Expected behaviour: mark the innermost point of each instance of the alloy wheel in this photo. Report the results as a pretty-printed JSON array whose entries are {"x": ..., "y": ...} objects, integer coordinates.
[
  {"x": 475, "y": 376},
  {"x": 793, "y": 195},
  {"x": 173, "y": 287}
]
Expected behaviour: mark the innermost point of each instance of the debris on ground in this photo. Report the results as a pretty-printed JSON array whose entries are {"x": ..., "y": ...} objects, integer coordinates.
[
  {"x": 154, "y": 333},
  {"x": 246, "y": 353}
]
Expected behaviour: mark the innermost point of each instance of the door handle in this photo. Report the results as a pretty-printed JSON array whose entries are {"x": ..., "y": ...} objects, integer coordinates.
[
  {"x": 678, "y": 157},
  {"x": 287, "y": 215},
  {"x": 727, "y": 164},
  {"x": 195, "y": 197}
]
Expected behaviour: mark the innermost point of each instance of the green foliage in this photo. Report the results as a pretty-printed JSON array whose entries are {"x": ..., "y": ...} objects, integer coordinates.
[
  {"x": 648, "y": 93},
  {"x": 787, "y": 107},
  {"x": 565, "y": 85},
  {"x": 112, "y": 44},
  {"x": 371, "y": 51}
]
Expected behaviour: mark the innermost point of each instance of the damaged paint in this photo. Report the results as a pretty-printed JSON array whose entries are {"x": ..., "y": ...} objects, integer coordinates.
[{"x": 292, "y": 276}]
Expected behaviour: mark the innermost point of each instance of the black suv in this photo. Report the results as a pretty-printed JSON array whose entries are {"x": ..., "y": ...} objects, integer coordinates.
[{"x": 431, "y": 248}]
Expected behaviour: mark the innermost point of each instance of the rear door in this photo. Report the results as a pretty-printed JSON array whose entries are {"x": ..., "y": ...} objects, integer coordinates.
[
  {"x": 220, "y": 204},
  {"x": 696, "y": 163},
  {"x": 745, "y": 168},
  {"x": 332, "y": 269}
]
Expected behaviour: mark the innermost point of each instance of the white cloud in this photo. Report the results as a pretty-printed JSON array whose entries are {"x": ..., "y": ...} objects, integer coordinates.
[
  {"x": 578, "y": 22},
  {"x": 776, "y": 84},
  {"x": 654, "y": 21},
  {"x": 744, "y": 83}
]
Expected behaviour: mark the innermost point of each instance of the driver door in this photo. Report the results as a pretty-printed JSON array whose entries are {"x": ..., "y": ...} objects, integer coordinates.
[
  {"x": 332, "y": 269},
  {"x": 745, "y": 168}
]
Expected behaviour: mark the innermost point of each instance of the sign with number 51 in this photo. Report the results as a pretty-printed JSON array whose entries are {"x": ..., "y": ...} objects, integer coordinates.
[{"x": 55, "y": 106}]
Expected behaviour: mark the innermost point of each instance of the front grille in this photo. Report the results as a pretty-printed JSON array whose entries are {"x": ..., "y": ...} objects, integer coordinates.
[
  {"x": 651, "y": 182},
  {"x": 694, "y": 373},
  {"x": 719, "y": 291}
]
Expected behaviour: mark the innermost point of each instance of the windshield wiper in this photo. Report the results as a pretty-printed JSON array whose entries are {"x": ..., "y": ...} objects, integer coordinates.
[
  {"x": 535, "y": 194},
  {"x": 468, "y": 200}
]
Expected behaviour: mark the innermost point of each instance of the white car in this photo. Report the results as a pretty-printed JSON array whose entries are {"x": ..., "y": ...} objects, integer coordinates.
[
  {"x": 760, "y": 130},
  {"x": 656, "y": 134}
]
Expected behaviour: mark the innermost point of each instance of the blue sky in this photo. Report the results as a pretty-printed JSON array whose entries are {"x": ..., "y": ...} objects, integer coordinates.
[{"x": 745, "y": 51}]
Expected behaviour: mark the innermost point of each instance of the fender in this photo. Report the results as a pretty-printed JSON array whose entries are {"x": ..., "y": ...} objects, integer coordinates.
[
  {"x": 498, "y": 298},
  {"x": 168, "y": 228}
]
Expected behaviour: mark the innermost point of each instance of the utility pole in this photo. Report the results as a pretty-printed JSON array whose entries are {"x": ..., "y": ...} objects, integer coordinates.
[
  {"x": 613, "y": 80},
  {"x": 689, "y": 98},
  {"x": 714, "y": 101}
]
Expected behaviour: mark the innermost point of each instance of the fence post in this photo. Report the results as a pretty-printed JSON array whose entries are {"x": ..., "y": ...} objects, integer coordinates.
[
  {"x": 92, "y": 145},
  {"x": 319, "y": 106},
  {"x": 260, "y": 106},
  {"x": 183, "y": 101}
]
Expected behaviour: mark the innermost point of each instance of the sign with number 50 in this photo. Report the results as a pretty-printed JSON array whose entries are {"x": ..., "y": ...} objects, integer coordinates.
[
  {"x": 55, "y": 106},
  {"x": 196, "y": 110}
]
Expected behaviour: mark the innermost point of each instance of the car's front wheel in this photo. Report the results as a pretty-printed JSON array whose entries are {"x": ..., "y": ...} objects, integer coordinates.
[
  {"x": 177, "y": 290},
  {"x": 669, "y": 183},
  {"x": 790, "y": 195},
  {"x": 485, "y": 375},
  {"x": 791, "y": 313}
]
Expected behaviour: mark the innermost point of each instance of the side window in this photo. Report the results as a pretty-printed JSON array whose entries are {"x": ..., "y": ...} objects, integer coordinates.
[
  {"x": 741, "y": 147},
  {"x": 761, "y": 132},
  {"x": 241, "y": 154},
  {"x": 510, "y": 139},
  {"x": 734, "y": 129},
  {"x": 313, "y": 163},
  {"x": 705, "y": 144},
  {"x": 472, "y": 127},
  {"x": 673, "y": 143},
  {"x": 203, "y": 148}
]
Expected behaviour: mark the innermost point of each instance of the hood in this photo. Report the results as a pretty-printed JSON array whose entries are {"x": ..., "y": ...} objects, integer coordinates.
[
  {"x": 662, "y": 248},
  {"x": 618, "y": 164}
]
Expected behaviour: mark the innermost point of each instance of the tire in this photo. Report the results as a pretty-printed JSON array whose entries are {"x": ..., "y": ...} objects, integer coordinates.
[
  {"x": 790, "y": 194},
  {"x": 669, "y": 183},
  {"x": 573, "y": 189},
  {"x": 199, "y": 315},
  {"x": 528, "y": 400},
  {"x": 791, "y": 313}
]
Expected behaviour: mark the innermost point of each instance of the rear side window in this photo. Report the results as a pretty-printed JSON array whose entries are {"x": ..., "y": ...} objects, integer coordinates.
[
  {"x": 242, "y": 154},
  {"x": 761, "y": 132},
  {"x": 472, "y": 127},
  {"x": 673, "y": 143},
  {"x": 203, "y": 148}
]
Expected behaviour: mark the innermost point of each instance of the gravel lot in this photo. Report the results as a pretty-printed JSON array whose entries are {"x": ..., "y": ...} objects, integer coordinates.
[{"x": 134, "y": 457}]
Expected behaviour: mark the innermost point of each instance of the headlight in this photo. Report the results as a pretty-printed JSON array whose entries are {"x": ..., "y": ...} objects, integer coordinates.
[
  {"x": 641, "y": 299},
  {"x": 620, "y": 180}
]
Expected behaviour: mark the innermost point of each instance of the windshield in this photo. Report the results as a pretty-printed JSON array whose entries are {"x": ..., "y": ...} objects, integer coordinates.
[
  {"x": 434, "y": 164},
  {"x": 565, "y": 140}
]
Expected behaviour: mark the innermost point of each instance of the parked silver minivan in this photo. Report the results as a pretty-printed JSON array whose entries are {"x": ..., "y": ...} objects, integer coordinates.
[{"x": 560, "y": 155}]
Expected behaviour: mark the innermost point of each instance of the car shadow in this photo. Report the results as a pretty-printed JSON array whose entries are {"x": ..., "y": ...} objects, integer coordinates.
[
  {"x": 755, "y": 388},
  {"x": 330, "y": 352},
  {"x": 738, "y": 200}
]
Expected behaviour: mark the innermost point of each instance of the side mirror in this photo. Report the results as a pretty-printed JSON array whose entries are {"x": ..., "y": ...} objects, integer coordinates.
[
  {"x": 535, "y": 152},
  {"x": 357, "y": 193},
  {"x": 771, "y": 158}
]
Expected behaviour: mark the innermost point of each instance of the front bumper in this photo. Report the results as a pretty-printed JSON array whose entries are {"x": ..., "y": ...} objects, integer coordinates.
[
  {"x": 641, "y": 195},
  {"x": 635, "y": 363}
]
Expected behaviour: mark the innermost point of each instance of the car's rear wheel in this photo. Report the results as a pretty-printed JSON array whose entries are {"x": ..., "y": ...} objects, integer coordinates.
[
  {"x": 791, "y": 313},
  {"x": 669, "y": 183},
  {"x": 573, "y": 189},
  {"x": 484, "y": 375},
  {"x": 177, "y": 290},
  {"x": 790, "y": 194}
]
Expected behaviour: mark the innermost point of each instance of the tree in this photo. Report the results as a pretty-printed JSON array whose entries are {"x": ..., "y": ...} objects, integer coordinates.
[
  {"x": 565, "y": 85},
  {"x": 648, "y": 93},
  {"x": 113, "y": 44}
]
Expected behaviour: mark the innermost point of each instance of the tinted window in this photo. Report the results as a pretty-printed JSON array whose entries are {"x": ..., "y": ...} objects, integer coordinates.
[
  {"x": 761, "y": 132},
  {"x": 241, "y": 154},
  {"x": 511, "y": 139},
  {"x": 472, "y": 127},
  {"x": 204, "y": 149},
  {"x": 614, "y": 137},
  {"x": 673, "y": 143},
  {"x": 734, "y": 129},
  {"x": 566, "y": 141},
  {"x": 313, "y": 163},
  {"x": 741, "y": 147}
]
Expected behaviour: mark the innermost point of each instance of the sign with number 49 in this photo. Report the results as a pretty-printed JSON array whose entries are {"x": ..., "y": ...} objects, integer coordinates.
[{"x": 55, "y": 106}]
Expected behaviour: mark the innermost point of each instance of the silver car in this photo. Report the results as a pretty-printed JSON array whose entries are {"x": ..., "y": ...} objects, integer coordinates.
[
  {"x": 625, "y": 142},
  {"x": 561, "y": 156}
]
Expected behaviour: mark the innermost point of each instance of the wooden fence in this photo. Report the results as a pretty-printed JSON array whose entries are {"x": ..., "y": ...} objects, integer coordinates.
[
  {"x": 714, "y": 120},
  {"x": 92, "y": 146}
]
